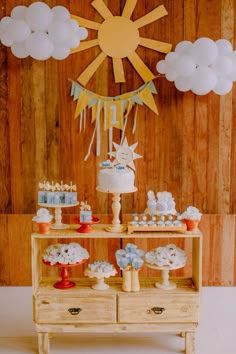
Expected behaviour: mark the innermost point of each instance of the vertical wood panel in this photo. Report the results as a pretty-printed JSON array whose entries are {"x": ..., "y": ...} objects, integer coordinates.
[
  {"x": 4, "y": 252},
  {"x": 233, "y": 156},
  {"x": 28, "y": 148},
  {"x": 132, "y": 201},
  {"x": 225, "y": 129},
  {"x": 201, "y": 151},
  {"x": 227, "y": 251},
  {"x": 207, "y": 25},
  {"x": 38, "y": 106},
  {"x": 19, "y": 243},
  {"x": 213, "y": 164},
  {"x": 52, "y": 121},
  {"x": 4, "y": 133},
  {"x": 15, "y": 138},
  {"x": 225, "y": 154},
  {"x": 218, "y": 249},
  {"x": 188, "y": 118}
]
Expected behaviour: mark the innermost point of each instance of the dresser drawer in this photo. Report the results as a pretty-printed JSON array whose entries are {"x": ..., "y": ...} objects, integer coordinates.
[
  {"x": 137, "y": 308},
  {"x": 61, "y": 309}
]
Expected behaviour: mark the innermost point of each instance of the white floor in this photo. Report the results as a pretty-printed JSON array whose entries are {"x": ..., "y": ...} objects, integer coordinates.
[{"x": 216, "y": 333}]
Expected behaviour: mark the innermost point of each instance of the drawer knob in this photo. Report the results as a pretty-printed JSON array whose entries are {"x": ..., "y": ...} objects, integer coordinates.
[
  {"x": 158, "y": 310},
  {"x": 75, "y": 310}
]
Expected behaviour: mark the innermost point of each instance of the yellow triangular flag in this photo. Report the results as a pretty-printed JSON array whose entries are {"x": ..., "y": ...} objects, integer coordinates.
[
  {"x": 113, "y": 116},
  {"x": 96, "y": 109},
  {"x": 83, "y": 101},
  {"x": 129, "y": 106},
  {"x": 148, "y": 99}
]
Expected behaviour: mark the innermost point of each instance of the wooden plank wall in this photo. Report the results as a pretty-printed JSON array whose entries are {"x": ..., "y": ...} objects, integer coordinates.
[{"x": 189, "y": 149}]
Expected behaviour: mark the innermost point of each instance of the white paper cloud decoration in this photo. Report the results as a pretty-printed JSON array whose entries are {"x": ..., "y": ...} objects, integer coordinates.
[
  {"x": 201, "y": 67},
  {"x": 41, "y": 32}
]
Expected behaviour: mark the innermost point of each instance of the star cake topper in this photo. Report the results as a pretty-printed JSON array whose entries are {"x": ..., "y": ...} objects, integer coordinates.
[{"x": 124, "y": 154}]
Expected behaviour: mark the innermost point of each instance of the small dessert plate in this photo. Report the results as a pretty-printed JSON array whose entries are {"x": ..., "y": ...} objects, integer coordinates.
[{"x": 87, "y": 225}]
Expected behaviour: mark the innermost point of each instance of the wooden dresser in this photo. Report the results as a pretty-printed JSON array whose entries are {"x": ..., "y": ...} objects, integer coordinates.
[{"x": 83, "y": 309}]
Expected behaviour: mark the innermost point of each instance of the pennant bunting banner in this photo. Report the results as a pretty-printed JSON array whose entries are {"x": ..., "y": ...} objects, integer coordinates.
[
  {"x": 116, "y": 108},
  {"x": 113, "y": 110}
]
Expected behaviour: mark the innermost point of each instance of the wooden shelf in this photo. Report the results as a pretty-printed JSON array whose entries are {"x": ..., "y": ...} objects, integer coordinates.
[
  {"x": 83, "y": 285},
  {"x": 100, "y": 232},
  {"x": 81, "y": 308}
]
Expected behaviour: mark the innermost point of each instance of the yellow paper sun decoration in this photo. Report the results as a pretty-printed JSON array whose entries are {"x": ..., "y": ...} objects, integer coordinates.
[{"x": 118, "y": 38}]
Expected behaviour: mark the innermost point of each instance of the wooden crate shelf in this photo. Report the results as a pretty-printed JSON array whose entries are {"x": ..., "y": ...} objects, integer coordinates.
[{"x": 113, "y": 310}]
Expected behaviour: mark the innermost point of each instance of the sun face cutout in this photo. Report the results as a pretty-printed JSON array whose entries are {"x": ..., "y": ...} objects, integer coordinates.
[
  {"x": 118, "y": 38},
  {"x": 124, "y": 154}
]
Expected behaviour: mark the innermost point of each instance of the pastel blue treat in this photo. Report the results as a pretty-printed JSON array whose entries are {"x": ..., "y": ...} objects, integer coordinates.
[
  {"x": 137, "y": 263},
  {"x": 120, "y": 253},
  {"x": 130, "y": 248},
  {"x": 122, "y": 262},
  {"x": 51, "y": 198},
  {"x": 130, "y": 256},
  {"x": 42, "y": 197}
]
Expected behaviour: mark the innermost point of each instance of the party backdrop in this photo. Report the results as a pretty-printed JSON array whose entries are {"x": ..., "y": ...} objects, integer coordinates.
[{"x": 188, "y": 148}]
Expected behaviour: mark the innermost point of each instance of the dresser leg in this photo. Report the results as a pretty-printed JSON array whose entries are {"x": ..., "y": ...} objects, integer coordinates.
[
  {"x": 43, "y": 343},
  {"x": 190, "y": 342}
]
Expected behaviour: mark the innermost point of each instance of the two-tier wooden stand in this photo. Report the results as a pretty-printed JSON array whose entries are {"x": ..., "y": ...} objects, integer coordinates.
[{"x": 82, "y": 309}]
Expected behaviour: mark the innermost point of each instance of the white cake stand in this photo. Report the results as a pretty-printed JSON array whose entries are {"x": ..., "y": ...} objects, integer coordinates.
[
  {"x": 165, "y": 284},
  {"x": 58, "y": 225},
  {"x": 116, "y": 207},
  {"x": 100, "y": 276}
]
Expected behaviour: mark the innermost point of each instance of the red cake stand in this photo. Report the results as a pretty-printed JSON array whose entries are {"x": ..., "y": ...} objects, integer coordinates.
[
  {"x": 64, "y": 283},
  {"x": 87, "y": 225}
]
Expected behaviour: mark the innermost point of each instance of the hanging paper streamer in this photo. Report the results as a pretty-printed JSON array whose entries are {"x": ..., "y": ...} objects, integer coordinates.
[
  {"x": 115, "y": 109},
  {"x": 135, "y": 120}
]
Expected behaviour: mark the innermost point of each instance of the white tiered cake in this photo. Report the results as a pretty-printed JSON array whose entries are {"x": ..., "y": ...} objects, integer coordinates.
[{"x": 117, "y": 177}]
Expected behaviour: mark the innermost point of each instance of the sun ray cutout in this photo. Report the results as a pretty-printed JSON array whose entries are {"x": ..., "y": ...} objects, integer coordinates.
[
  {"x": 91, "y": 69},
  {"x": 118, "y": 69},
  {"x": 118, "y": 38},
  {"x": 85, "y": 45},
  {"x": 155, "y": 45},
  {"x": 129, "y": 8},
  {"x": 152, "y": 16},
  {"x": 86, "y": 23},
  {"x": 102, "y": 8},
  {"x": 140, "y": 67}
]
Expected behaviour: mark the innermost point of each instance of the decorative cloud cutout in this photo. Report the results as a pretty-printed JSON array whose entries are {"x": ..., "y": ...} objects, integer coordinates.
[
  {"x": 201, "y": 67},
  {"x": 41, "y": 32}
]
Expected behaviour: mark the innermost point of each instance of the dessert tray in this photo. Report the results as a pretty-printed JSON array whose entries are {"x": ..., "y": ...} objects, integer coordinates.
[
  {"x": 181, "y": 228},
  {"x": 165, "y": 284},
  {"x": 100, "y": 277},
  {"x": 86, "y": 226},
  {"x": 64, "y": 283},
  {"x": 165, "y": 259},
  {"x": 146, "y": 223},
  {"x": 58, "y": 214}
]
